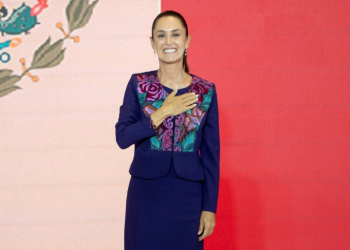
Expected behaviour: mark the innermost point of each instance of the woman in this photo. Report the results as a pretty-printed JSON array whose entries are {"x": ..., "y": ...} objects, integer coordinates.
[{"x": 172, "y": 118}]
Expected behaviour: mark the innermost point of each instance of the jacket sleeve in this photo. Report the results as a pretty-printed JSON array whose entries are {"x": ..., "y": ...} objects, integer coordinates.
[
  {"x": 210, "y": 155},
  {"x": 130, "y": 127}
]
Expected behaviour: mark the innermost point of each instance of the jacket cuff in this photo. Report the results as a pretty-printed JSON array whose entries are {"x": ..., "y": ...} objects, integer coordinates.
[
  {"x": 149, "y": 130},
  {"x": 210, "y": 206}
]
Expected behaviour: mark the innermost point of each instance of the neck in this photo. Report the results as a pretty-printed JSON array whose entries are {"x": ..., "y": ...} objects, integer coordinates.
[{"x": 171, "y": 75}]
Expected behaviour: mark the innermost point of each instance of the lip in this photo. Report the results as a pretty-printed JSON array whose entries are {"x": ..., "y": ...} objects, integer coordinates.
[{"x": 170, "y": 48}]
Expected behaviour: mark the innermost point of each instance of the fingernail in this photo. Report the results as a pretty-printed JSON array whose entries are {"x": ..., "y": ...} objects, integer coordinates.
[{"x": 199, "y": 233}]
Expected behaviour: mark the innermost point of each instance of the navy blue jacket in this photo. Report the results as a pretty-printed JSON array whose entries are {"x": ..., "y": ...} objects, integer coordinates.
[{"x": 195, "y": 145}]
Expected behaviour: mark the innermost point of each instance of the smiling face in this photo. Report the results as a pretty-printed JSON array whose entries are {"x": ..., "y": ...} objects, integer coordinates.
[{"x": 169, "y": 39}]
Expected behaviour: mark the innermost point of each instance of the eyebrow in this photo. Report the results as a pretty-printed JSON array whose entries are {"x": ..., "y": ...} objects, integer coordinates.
[{"x": 168, "y": 29}]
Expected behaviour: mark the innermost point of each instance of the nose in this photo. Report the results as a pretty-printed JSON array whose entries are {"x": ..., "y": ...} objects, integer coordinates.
[{"x": 168, "y": 40}]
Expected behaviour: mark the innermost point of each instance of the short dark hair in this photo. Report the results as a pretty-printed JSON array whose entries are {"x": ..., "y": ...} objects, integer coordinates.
[{"x": 184, "y": 24}]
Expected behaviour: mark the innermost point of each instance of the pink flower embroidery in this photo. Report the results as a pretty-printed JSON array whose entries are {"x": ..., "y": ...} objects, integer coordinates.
[
  {"x": 149, "y": 109},
  {"x": 152, "y": 87}
]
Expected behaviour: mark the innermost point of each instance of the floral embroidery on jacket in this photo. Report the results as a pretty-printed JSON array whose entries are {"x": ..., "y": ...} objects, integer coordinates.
[{"x": 151, "y": 96}]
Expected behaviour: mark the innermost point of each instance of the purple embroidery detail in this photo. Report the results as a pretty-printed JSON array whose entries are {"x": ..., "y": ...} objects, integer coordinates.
[
  {"x": 151, "y": 96},
  {"x": 148, "y": 85}
]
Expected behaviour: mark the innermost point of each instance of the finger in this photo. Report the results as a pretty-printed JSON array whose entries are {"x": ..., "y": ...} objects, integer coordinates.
[
  {"x": 189, "y": 96},
  {"x": 205, "y": 234},
  {"x": 188, "y": 107},
  {"x": 200, "y": 229},
  {"x": 190, "y": 99},
  {"x": 212, "y": 228},
  {"x": 208, "y": 230},
  {"x": 174, "y": 91},
  {"x": 191, "y": 103}
]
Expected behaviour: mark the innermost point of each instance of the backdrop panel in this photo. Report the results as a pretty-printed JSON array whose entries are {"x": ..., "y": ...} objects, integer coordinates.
[
  {"x": 63, "y": 178},
  {"x": 282, "y": 74}
]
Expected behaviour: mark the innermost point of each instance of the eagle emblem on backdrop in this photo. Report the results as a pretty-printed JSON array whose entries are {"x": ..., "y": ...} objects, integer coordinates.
[{"x": 15, "y": 26}]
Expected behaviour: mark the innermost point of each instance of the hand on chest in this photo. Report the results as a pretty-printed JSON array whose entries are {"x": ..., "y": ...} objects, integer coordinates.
[{"x": 178, "y": 132}]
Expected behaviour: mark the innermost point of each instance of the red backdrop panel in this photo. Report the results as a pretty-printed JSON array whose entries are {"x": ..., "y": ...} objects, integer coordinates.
[{"x": 282, "y": 73}]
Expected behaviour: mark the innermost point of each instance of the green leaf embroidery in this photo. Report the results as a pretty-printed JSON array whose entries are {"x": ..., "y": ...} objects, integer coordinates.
[
  {"x": 49, "y": 56},
  {"x": 41, "y": 50},
  {"x": 188, "y": 111},
  {"x": 155, "y": 143},
  {"x": 142, "y": 98},
  {"x": 86, "y": 16},
  {"x": 158, "y": 103},
  {"x": 179, "y": 144},
  {"x": 206, "y": 100},
  {"x": 8, "y": 81},
  {"x": 57, "y": 60},
  {"x": 188, "y": 141},
  {"x": 4, "y": 92},
  {"x": 74, "y": 10},
  {"x": 78, "y": 13},
  {"x": 5, "y": 72}
]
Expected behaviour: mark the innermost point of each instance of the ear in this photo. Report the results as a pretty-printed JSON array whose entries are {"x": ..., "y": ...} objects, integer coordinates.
[
  {"x": 152, "y": 43},
  {"x": 188, "y": 39}
]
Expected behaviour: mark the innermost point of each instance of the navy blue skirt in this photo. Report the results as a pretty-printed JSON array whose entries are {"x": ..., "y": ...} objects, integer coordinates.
[{"x": 163, "y": 213}]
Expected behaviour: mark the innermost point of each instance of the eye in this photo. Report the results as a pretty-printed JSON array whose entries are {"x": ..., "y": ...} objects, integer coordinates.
[
  {"x": 161, "y": 36},
  {"x": 176, "y": 34}
]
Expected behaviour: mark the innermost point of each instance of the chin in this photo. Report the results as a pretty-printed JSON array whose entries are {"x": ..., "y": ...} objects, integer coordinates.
[{"x": 170, "y": 60}]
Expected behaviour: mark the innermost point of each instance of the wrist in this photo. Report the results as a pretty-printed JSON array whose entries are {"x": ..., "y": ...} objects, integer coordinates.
[
  {"x": 163, "y": 112},
  {"x": 157, "y": 117}
]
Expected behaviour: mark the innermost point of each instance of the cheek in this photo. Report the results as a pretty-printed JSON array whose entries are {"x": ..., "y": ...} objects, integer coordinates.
[
  {"x": 159, "y": 42},
  {"x": 179, "y": 43}
]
